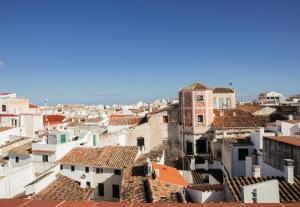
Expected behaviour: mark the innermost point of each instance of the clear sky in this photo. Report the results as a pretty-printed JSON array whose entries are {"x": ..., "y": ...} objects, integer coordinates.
[{"x": 123, "y": 51}]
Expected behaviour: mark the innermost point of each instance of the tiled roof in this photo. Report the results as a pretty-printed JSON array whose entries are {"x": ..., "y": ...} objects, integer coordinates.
[
  {"x": 223, "y": 90},
  {"x": 285, "y": 139},
  {"x": 121, "y": 120},
  {"x": 169, "y": 175},
  {"x": 8, "y": 115},
  {"x": 107, "y": 157},
  {"x": 2, "y": 129},
  {"x": 292, "y": 121},
  {"x": 164, "y": 192},
  {"x": 239, "y": 121},
  {"x": 33, "y": 106},
  {"x": 196, "y": 86},
  {"x": 64, "y": 188},
  {"x": 207, "y": 187},
  {"x": 237, "y": 140},
  {"x": 249, "y": 108},
  {"x": 199, "y": 175},
  {"x": 24, "y": 149},
  {"x": 62, "y": 203},
  {"x": 288, "y": 192},
  {"x": 53, "y": 119}
]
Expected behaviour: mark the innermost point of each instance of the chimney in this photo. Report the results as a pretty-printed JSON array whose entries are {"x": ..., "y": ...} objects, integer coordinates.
[
  {"x": 234, "y": 113},
  {"x": 290, "y": 117},
  {"x": 289, "y": 170},
  {"x": 148, "y": 167},
  {"x": 248, "y": 166},
  {"x": 221, "y": 113},
  {"x": 192, "y": 165},
  {"x": 156, "y": 172},
  {"x": 256, "y": 171},
  {"x": 206, "y": 165},
  {"x": 82, "y": 181}
]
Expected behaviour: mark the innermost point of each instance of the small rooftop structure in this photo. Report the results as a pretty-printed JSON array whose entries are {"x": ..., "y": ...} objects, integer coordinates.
[
  {"x": 23, "y": 150},
  {"x": 292, "y": 140}
]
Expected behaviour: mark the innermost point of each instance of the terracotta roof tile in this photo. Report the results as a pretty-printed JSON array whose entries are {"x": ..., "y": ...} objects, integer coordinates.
[
  {"x": 31, "y": 106},
  {"x": 288, "y": 192},
  {"x": 107, "y": 157},
  {"x": 169, "y": 175},
  {"x": 64, "y": 188},
  {"x": 2, "y": 129},
  {"x": 223, "y": 90},
  {"x": 286, "y": 139},
  {"x": 249, "y": 108},
  {"x": 120, "y": 120},
  {"x": 24, "y": 149},
  {"x": 196, "y": 86},
  {"x": 53, "y": 119}
]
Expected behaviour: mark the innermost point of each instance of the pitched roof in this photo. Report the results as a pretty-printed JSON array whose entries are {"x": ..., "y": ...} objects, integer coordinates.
[
  {"x": 207, "y": 187},
  {"x": 2, "y": 129},
  {"x": 107, "y": 157},
  {"x": 288, "y": 192},
  {"x": 285, "y": 139},
  {"x": 121, "y": 120},
  {"x": 24, "y": 149},
  {"x": 249, "y": 108},
  {"x": 238, "y": 140},
  {"x": 17, "y": 202},
  {"x": 169, "y": 175},
  {"x": 8, "y": 115},
  {"x": 196, "y": 86},
  {"x": 64, "y": 188},
  {"x": 239, "y": 121},
  {"x": 223, "y": 90},
  {"x": 33, "y": 106},
  {"x": 53, "y": 119}
]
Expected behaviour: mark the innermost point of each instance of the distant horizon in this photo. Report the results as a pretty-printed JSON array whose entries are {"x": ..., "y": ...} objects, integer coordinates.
[{"x": 125, "y": 51}]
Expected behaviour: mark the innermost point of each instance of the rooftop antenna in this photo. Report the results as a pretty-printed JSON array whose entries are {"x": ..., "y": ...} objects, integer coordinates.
[{"x": 46, "y": 102}]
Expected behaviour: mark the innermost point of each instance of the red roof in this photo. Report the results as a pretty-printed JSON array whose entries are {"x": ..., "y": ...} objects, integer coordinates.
[
  {"x": 33, "y": 106},
  {"x": 169, "y": 175},
  {"x": 286, "y": 139},
  {"x": 8, "y": 115},
  {"x": 120, "y": 120},
  {"x": 62, "y": 203},
  {"x": 53, "y": 119}
]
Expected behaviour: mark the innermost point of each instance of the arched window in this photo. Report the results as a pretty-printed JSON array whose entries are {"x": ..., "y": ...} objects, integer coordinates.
[
  {"x": 141, "y": 142},
  {"x": 3, "y": 108}
]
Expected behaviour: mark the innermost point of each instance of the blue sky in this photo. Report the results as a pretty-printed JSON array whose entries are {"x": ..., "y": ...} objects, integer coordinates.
[{"x": 124, "y": 51}]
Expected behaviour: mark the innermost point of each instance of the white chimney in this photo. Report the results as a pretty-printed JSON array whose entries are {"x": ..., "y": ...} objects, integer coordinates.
[
  {"x": 156, "y": 172},
  {"x": 148, "y": 167},
  {"x": 290, "y": 117},
  {"x": 248, "y": 166},
  {"x": 234, "y": 113},
  {"x": 192, "y": 165},
  {"x": 206, "y": 165},
  {"x": 256, "y": 171},
  {"x": 289, "y": 170}
]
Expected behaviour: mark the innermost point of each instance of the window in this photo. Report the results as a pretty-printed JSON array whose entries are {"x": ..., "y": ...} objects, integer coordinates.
[
  {"x": 99, "y": 170},
  {"x": 87, "y": 169},
  {"x": 72, "y": 168},
  {"x": 165, "y": 119},
  {"x": 63, "y": 138},
  {"x": 17, "y": 159},
  {"x": 117, "y": 172},
  {"x": 61, "y": 167},
  {"x": 94, "y": 140},
  {"x": 200, "y": 118},
  {"x": 45, "y": 158},
  {"x": 200, "y": 146},
  {"x": 200, "y": 98},
  {"x": 242, "y": 154},
  {"x": 88, "y": 184},
  {"x": 3, "y": 108},
  {"x": 116, "y": 191},
  {"x": 100, "y": 189},
  {"x": 141, "y": 142}
]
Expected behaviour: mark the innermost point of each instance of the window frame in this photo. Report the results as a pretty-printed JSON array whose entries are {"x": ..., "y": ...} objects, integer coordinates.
[
  {"x": 115, "y": 194},
  {"x": 200, "y": 115},
  {"x": 117, "y": 172},
  {"x": 72, "y": 168}
]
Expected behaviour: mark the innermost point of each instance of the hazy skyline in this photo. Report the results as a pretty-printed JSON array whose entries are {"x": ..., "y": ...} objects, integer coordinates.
[{"x": 126, "y": 51}]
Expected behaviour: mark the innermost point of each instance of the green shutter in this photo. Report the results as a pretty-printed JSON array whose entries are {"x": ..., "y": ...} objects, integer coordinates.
[
  {"x": 94, "y": 140},
  {"x": 62, "y": 138}
]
